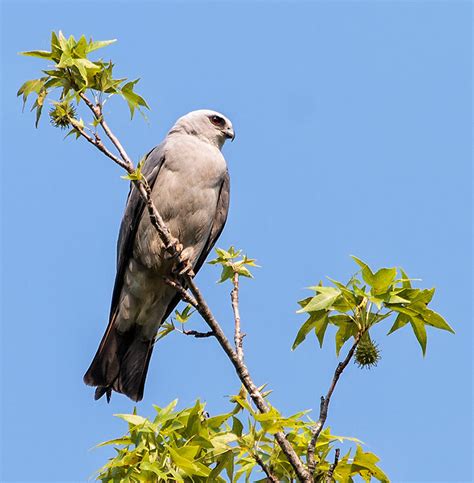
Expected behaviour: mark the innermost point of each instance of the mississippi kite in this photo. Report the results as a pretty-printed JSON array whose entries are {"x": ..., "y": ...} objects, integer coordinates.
[{"x": 190, "y": 188}]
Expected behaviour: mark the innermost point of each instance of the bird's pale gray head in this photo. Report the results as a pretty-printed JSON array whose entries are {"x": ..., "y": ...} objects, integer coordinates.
[{"x": 210, "y": 126}]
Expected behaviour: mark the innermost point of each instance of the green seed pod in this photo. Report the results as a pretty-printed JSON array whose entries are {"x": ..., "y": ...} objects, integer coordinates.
[
  {"x": 61, "y": 114},
  {"x": 367, "y": 353}
]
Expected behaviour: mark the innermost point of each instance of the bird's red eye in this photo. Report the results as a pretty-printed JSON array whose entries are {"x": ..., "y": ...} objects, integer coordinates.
[{"x": 217, "y": 121}]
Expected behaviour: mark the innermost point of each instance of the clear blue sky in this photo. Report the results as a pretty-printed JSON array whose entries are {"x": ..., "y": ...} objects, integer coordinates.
[{"x": 353, "y": 137}]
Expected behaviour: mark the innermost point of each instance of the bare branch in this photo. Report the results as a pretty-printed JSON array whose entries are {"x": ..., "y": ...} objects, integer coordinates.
[
  {"x": 270, "y": 476},
  {"x": 182, "y": 291},
  {"x": 238, "y": 336},
  {"x": 197, "y": 334},
  {"x": 323, "y": 410},
  {"x": 244, "y": 376},
  {"x": 97, "y": 111},
  {"x": 97, "y": 142},
  {"x": 330, "y": 472}
]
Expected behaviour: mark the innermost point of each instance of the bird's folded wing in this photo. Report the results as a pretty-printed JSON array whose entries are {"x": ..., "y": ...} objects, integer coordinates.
[
  {"x": 154, "y": 160},
  {"x": 218, "y": 223}
]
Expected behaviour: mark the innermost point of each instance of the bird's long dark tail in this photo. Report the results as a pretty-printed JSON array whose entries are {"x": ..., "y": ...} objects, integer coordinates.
[{"x": 120, "y": 364}]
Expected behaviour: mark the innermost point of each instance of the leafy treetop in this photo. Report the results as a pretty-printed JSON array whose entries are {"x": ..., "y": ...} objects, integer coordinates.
[{"x": 73, "y": 72}]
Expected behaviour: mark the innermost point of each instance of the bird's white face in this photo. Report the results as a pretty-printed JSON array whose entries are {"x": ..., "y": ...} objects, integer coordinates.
[{"x": 211, "y": 126}]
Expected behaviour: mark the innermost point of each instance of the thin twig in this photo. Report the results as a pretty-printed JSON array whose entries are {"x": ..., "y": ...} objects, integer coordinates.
[
  {"x": 97, "y": 142},
  {"x": 182, "y": 291},
  {"x": 198, "y": 302},
  {"x": 324, "y": 406},
  {"x": 333, "y": 466},
  {"x": 245, "y": 378},
  {"x": 197, "y": 334},
  {"x": 270, "y": 476},
  {"x": 238, "y": 336},
  {"x": 97, "y": 111}
]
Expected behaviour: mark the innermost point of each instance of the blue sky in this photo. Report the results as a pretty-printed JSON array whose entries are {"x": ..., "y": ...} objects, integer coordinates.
[{"x": 353, "y": 137}]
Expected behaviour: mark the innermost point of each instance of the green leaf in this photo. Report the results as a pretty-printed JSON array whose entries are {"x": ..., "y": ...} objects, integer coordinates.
[
  {"x": 222, "y": 462},
  {"x": 367, "y": 273},
  {"x": 62, "y": 41},
  {"x": 229, "y": 467},
  {"x": 424, "y": 296},
  {"x": 417, "y": 295},
  {"x": 346, "y": 292},
  {"x": 400, "y": 321},
  {"x": 393, "y": 298},
  {"x": 368, "y": 461},
  {"x": 304, "y": 302},
  {"x": 406, "y": 283},
  {"x": 419, "y": 330},
  {"x": 42, "y": 54},
  {"x": 38, "y": 105},
  {"x": 134, "y": 101},
  {"x": 190, "y": 467},
  {"x": 132, "y": 418},
  {"x": 315, "y": 319},
  {"x": 163, "y": 413},
  {"x": 237, "y": 426},
  {"x": 321, "y": 301},
  {"x": 135, "y": 175},
  {"x": 244, "y": 271},
  {"x": 383, "y": 279},
  {"x": 86, "y": 68},
  {"x": 435, "y": 320},
  {"x": 55, "y": 47},
  {"x": 80, "y": 49},
  {"x": 379, "y": 281},
  {"x": 183, "y": 316},
  {"x": 99, "y": 44},
  {"x": 164, "y": 330},
  {"x": 125, "y": 440},
  {"x": 227, "y": 273},
  {"x": 345, "y": 332},
  {"x": 30, "y": 86},
  {"x": 320, "y": 329}
]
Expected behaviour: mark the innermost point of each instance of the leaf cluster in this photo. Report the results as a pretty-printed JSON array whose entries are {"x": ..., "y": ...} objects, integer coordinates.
[
  {"x": 72, "y": 72},
  {"x": 181, "y": 317},
  {"x": 232, "y": 261},
  {"x": 366, "y": 300},
  {"x": 189, "y": 445}
]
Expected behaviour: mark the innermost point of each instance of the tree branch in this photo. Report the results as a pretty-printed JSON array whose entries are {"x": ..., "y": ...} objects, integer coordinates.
[
  {"x": 238, "y": 335},
  {"x": 324, "y": 406},
  {"x": 182, "y": 291},
  {"x": 330, "y": 472},
  {"x": 97, "y": 111},
  {"x": 244, "y": 376},
  {"x": 97, "y": 142},
  {"x": 198, "y": 301},
  {"x": 197, "y": 334},
  {"x": 270, "y": 476}
]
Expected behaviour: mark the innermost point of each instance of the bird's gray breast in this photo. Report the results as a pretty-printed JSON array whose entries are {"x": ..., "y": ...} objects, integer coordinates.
[{"x": 185, "y": 193}]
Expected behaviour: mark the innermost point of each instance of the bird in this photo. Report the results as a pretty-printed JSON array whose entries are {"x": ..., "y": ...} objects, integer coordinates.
[{"x": 190, "y": 184}]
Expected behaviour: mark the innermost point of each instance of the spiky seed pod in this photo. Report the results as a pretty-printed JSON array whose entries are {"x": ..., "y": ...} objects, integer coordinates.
[
  {"x": 61, "y": 114},
  {"x": 367, "y": 353}
]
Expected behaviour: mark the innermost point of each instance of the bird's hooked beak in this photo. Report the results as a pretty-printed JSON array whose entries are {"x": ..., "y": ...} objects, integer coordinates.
[{"x": 229, "y": 134}]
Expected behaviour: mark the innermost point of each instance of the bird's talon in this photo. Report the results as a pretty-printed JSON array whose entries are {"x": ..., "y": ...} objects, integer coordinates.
[
  {"x": 187, "y": 270},
  {"x": 174, "y": 245}
]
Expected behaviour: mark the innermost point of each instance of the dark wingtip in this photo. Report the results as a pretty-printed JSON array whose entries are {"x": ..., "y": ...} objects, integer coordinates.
[{"x": 101, "y": 390}]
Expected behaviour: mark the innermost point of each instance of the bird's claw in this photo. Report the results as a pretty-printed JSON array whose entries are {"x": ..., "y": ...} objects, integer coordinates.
[
  {"x": 186, "y": 268},
  {"x": 183, "y": 267},
  {"x": 174, "y": 246}
]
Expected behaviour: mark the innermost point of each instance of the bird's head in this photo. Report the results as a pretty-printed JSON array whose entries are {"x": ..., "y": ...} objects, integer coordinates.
[{"x": 211, "y": 126}]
